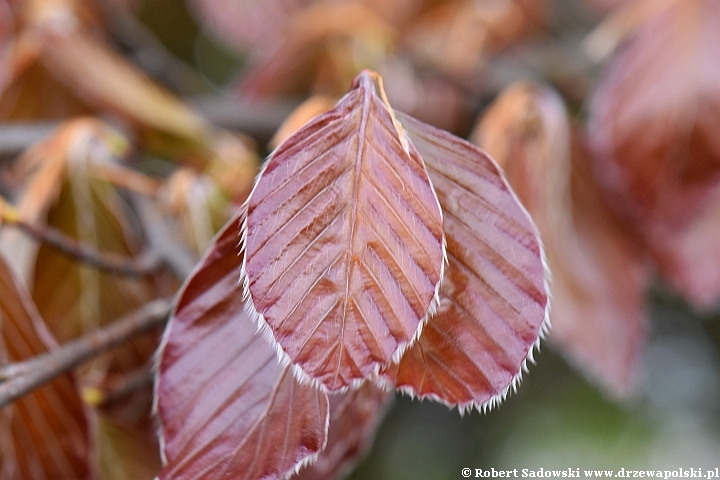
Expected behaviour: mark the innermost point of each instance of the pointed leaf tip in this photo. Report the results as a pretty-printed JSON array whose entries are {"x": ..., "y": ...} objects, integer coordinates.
[{"x": 344, "y": 242}]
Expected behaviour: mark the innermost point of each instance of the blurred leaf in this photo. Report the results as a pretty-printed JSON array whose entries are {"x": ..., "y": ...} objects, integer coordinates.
[
  {"x": 7, "y": 32},
  {"x": 598, "y": 273},
  {"x": 66, "y": 190},
  {"x": 42, "y": 169},
  {"x": 125, "y": 451},
  {"x": 226, "y": 406},
  {"x": 197, "y": 205},
  {"x": 245, "y": 23},
  {"x": 653, "y": 129},
  {"x": 688, "y": 257},
  {"x": 62, "y": 66},
  {"x": 456, "y": 37},
  {"x": 628, "y": 17},
  {"x": 324, "y": 45},
  {"x": 344, "y": 241},
  {"x": 43, "y": 434},
  {"x": 492, "y": 299},
  {"x": 354, "y": 416}
]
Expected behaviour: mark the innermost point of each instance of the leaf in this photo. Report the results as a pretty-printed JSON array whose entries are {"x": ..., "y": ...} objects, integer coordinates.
[
  {"x": 653, "y": 129},
  {"x": 687, "y": 257},
  {"x": 64, "y": 191},
  {"x": 344, "y": 242},
  {"x": 243, "y": 24},
  {"x": 492, "y": 299},
  {"x": 456, "y": 37},
  {"x": 43, "y": 434},
  {"x": 354, "y": 416},
  {"x": 598, "y": 272},
  {"x": 321, "y": 46},
  {"x": 226, "y": 406},
  {"x": 62, "y": 67},
  {"x": 125, "y": 451}
]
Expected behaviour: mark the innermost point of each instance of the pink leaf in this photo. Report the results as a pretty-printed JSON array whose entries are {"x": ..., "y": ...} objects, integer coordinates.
[
  {"x": 493, "y": 299},
  {"x": 344, "y": 241},
  {"x": 227, "y": 408}
]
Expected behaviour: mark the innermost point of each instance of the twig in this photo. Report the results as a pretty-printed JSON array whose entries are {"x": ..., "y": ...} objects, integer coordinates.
[
  {"x": 112, "y": 263},
  {"x": 22, "y": 378}
]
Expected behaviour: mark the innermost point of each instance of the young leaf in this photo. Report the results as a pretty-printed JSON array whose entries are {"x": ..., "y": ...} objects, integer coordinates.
[
  {"x": 354, "y": 416},
  {"x": 492, "y": 299},
  {"x": 344, "y": 241},
  {"x": 598, "y": 274},
  {"x": 226, "y": 406},
  {"x": 44, "y": 434}
]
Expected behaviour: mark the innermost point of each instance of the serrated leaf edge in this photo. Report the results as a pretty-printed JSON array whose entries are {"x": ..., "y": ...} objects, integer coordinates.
[{"x": 264, "y": 328}]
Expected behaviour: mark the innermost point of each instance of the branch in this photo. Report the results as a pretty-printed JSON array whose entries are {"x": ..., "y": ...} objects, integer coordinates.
[
  {"x": 19, "y": 379},
  {"x": 110, "y": 262}
]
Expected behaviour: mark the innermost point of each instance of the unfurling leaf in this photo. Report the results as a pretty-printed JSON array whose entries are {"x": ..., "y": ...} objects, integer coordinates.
[
  {"x": 344, "y": 241},
  {"x": 44, "y": 434},
  {"x": 354, "y": 416},
  {"x": 226, "y": 406},
  {"x": 492, "y": 299}
]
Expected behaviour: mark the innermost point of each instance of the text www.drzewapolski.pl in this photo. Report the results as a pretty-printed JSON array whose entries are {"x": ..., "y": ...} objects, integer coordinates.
[{"x": 706, "y": 474}]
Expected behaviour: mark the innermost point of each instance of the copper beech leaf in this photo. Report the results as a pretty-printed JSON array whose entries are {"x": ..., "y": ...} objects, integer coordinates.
[
  {"x": 344, "y": 241},
  {"x": 493, "y": 299},
  {"x": 598, "y": 273},
  {"x": 354, "y": 416},
  {"x": 226, "y": 406},
  {"x": 43, "y": 434}
]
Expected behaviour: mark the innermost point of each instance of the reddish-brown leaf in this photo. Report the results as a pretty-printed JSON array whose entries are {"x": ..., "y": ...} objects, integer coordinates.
[
  {"x": 456, "y": 37},
  {"x": 653, "y": 130},
  {"x": 688, "y": 257},
  {"x": 492, "y": 299},
  {"x": 62, "y": 190},
  {"x": 43, "y": 434},
  {"x": 344, "y": 241},
  {"x": 226, "y": 406},
  {"x": 61, "y": 67},
  {"x": 598, "y": 274},
  {"x": 243, "y": 23},
  {"x": 354, "y": 416},
  {"x": 320, "y": 47}
]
